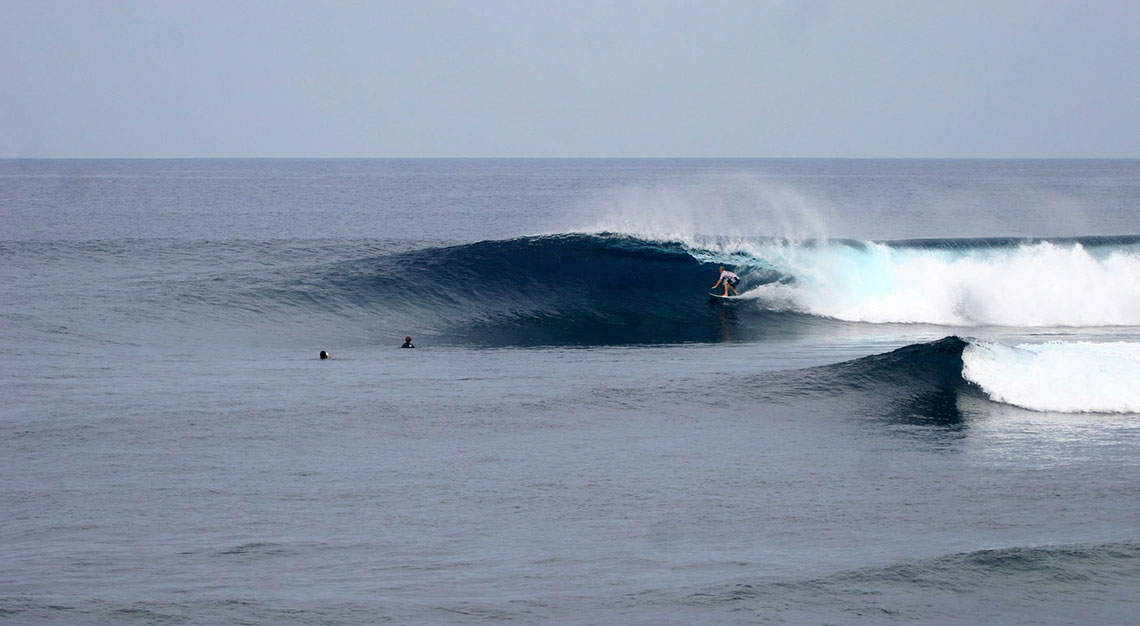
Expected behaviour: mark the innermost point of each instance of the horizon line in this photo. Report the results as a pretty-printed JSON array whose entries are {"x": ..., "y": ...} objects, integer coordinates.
[{"x": 569, "y": 158}]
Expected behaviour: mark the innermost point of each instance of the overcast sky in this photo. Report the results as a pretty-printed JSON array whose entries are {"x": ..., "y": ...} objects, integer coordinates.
[{"x": 561, "y": 78}]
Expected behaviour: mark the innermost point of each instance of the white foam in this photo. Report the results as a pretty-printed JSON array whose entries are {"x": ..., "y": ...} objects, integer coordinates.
[
  {"x": 1077, "y": 377},
  {"x": 1033, "y": 285}
]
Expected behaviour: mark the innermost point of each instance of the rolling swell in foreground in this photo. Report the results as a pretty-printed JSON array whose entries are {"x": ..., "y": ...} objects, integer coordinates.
[{"x": 981, "y": 580}]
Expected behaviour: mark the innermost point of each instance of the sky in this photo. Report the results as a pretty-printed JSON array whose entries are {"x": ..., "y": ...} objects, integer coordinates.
[{"x": 563, "y": 78}]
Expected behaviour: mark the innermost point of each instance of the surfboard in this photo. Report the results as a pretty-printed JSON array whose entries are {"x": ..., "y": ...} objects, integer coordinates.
[{"x": 719, "y": 297}]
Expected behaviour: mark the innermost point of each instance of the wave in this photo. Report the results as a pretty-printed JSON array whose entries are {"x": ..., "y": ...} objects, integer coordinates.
[
  {"x": 916, "y": 384},
  {"x": 1086, "y": 583},
  {"x": 592, "y": 289},
  {"x": 923, "y": 382}
]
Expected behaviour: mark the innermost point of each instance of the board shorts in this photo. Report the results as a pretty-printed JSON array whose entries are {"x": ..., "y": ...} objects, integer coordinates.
[{"x": 732, "y": 282}]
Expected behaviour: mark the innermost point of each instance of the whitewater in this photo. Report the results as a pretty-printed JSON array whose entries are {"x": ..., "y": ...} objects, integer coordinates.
[
  {"x": 960, "y": 283},
  {"x": 924, "y": 407}
]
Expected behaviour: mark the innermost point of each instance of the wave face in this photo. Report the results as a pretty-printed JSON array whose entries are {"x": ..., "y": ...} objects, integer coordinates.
[{"x": 919, "y": 383}]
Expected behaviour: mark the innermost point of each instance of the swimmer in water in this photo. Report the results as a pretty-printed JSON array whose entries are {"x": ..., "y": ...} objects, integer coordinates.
[{"x": 407, "y": 343}]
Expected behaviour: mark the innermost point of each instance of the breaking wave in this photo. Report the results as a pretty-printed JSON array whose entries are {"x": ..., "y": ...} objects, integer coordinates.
[
  {"x": 924, "y": 379},
  {"x": 603, "y": 288}
]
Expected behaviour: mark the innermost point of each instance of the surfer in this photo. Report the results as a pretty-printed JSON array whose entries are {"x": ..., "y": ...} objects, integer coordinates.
[
  {"x": 407, "y": 343},
  {"x": 325, "y": 355},
  {"x": 730, "y": 281}
]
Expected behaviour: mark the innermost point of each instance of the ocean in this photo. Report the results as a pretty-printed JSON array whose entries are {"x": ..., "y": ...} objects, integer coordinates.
[{"x": 923, "y": 408}]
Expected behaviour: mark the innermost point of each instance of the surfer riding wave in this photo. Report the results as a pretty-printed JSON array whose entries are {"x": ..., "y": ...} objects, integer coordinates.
[{"x": 730, "y": 280}]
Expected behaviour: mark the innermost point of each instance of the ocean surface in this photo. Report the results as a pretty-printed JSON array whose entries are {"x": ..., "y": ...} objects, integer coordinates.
[{"x": 924, "y": 408}]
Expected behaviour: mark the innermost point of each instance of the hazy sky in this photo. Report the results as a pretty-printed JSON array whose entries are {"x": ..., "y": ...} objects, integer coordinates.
[{"x": 539, "y": 78}]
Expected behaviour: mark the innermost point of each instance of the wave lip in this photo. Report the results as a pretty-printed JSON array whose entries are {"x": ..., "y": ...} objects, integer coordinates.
[{"x": 1063, "y": 377}]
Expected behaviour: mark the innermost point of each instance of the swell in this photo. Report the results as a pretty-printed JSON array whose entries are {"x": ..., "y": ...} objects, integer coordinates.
[
  {"x": 1087, "y": 583},
  {"x": 998, "y": 585}
]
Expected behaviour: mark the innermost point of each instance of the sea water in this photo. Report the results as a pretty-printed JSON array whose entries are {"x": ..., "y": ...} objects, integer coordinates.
[{"x": 924, "y": 408}]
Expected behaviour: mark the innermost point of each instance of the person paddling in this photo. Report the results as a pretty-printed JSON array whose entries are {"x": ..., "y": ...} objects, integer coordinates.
[{"x": 730, "y": 281}]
